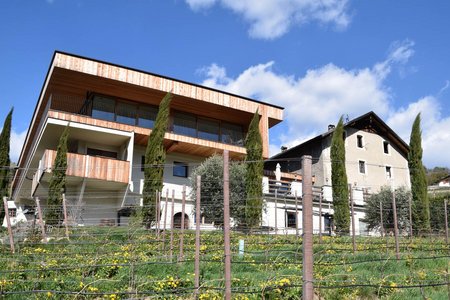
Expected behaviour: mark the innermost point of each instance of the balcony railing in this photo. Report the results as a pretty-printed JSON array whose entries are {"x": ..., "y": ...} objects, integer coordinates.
[{"x": 86, "y": 166}]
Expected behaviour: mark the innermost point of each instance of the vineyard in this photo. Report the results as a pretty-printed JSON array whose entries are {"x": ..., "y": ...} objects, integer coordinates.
[{"x": 130, "y": 262}]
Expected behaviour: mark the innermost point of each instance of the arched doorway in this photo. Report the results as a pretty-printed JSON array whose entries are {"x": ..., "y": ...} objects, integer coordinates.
[{"x": 177, "y": 221}]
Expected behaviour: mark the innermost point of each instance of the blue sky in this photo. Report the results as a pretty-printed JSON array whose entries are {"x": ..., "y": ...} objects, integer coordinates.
[{"x": 318, "y": 59}]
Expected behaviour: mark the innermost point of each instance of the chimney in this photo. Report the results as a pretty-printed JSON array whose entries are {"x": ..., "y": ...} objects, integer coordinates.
[{"x": 331, "y": 127}]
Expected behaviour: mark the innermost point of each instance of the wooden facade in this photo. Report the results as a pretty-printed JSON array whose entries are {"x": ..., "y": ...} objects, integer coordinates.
[{"x": 85, "y": 166}]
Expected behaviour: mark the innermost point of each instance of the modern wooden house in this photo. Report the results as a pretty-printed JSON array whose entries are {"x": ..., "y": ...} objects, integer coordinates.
[{"x": 110, "y": 110}]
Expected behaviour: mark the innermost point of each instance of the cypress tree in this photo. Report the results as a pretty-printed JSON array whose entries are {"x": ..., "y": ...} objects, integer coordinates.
[
  {"x": 5, "y": 162},
  {"x": 57, "y": 185},
  {"x": 420, "y": 203},
  {"x": 155, "y": 158},
  {"x": 253, "y": 177},
  {"x": 339, "y": 180}
]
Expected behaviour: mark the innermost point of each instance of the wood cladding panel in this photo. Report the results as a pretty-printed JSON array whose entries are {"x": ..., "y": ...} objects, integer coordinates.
[
  {"x": 155, "y": 82},
  {"x": 93, "y": 167},
  {"x": 73, "y": 83}
]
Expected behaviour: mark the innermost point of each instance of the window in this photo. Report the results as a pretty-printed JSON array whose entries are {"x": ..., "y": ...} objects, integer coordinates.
[
  {"x": 359, "y": 141},
  {"x": 328, "y": 222},
  {"x": 147, "y": 116},
  {"x": 386, "y": 147},
  {"x": 99, "y": 152},
  {"x": 362, "y": 167},
  {"x": 185, "y": 124},
  {"x": 291, "y": 219},
  {"x": 208, "y": 130},
  {"x": 232, "y": 134},
  {"x": 180, "y": 169},
  {"x": 103, "y": 108},
  {"x": 126, "y": 113},
  {"x": 12, "y": 212},
  {"x": 142, "y": 163},
  {"x": 388, "y": 172}
]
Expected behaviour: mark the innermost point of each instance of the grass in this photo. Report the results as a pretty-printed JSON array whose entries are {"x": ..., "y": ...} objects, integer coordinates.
[{"x": 128, "y": 262}]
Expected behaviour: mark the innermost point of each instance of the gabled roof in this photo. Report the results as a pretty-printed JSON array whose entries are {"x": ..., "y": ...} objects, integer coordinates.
[
  {"x": 444, "y": 178},
  {"x": 368, "y": 121}
]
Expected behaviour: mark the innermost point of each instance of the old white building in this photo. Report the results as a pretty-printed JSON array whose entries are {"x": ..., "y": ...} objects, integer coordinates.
[{"x": 375, "y": 156}]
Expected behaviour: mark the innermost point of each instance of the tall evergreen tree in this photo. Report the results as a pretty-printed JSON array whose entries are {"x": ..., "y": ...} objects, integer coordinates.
[
  {"x": 339, "y": 180},
  {"x": 420, "y": 203},
  {"x": 57, "y": 185},
  {"x": 5, "y": 162},
  {"x": 253, "y": 177},
  {"x": 155, "y": 158}
]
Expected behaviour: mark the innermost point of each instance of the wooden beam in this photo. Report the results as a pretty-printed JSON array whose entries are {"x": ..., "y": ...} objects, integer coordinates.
[{"x": 173, "y": 145}]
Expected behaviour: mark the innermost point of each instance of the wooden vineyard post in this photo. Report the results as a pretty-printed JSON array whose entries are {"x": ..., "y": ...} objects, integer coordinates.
[
  {"x": 165, "y": 222},
  {"x": 307, "y": 199},
  {"x": 320, "y": 218},
  {"x": 8, "y": 223},
  {"x": 276, "y": 212},
  {"x": 41, "y": 220},
  {"x": 157, "y": 211},
  {"x": 394, "y": 207},
  {"x": 197, "y": 240},
  {"x": 226, "y": 225},
  {"x": 183, "y": 204},
  {"x": 410, "y": 216},
  {"x": 172, "y": 225},
  {"x": 66, "y": 221},
  {"x": 353, "y": 217},
  {"x": 446, "y": 220},
  {"x": 296, "y": 215}
]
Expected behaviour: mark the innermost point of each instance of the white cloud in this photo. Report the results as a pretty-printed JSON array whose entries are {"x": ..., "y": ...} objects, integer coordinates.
[
  {"x": 435, "y": 129},
  {"x": 200, "y": 4},
  {"x": 445, "y": 87},
  {"x": 322, "y": 95},
  {"x": 16, "y": 143},
  {"x": 399, "y": 53},
  {"x": 271, "y": 19}
]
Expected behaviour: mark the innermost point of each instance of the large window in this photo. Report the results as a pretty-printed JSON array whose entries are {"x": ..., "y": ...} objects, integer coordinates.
[
  {"x": 110, "y": 109},
  {"x": 208, "y": 129},
  {"x": 103, "y": 108},
  {"x": 185, "y": 124},
  {"x": 126, "y": 113},
  {"x": 232, "y": 134},
  {"x": 147, "y": 116}
]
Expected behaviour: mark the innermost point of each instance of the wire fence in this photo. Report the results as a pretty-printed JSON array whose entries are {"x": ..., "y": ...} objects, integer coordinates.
[{"x": 86, "y": 255}]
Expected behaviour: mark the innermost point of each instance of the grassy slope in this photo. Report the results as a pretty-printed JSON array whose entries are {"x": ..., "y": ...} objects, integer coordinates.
[{"x": 114, "y": 263}]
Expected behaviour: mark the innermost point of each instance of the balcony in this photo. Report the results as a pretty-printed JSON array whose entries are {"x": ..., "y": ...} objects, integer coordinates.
[
  {"x": 187, "y": 133},
  {"x": 84, "y": 166}
]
